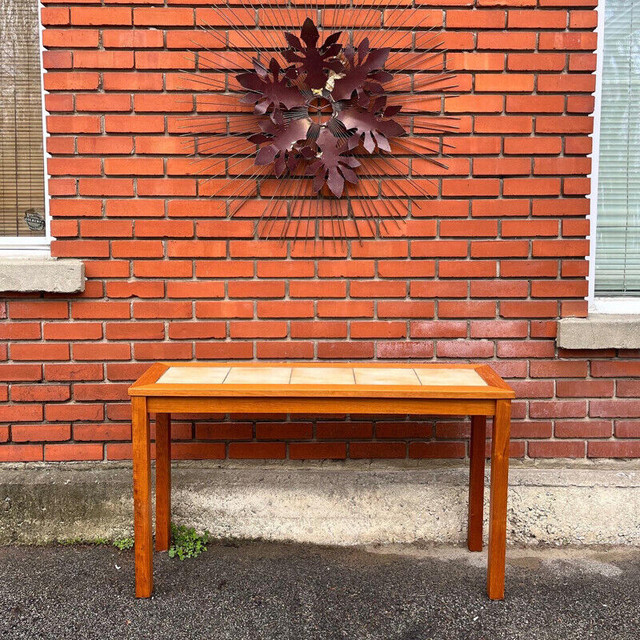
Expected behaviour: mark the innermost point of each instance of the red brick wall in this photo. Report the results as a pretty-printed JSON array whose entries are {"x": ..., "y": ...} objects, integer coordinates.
[{"x": 480, "y": 273}]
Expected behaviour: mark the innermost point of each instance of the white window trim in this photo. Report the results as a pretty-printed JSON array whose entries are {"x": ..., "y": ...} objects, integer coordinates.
[
  {"x": 616, "y": 305},
  {"x": 11, "y": 246}
]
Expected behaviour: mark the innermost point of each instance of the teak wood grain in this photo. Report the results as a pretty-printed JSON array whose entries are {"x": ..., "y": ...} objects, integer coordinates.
[{"x": 322, "y": 389}]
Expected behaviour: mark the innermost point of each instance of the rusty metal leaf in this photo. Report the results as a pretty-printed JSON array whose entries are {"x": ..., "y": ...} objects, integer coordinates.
[{"x": 315, "y": 63}]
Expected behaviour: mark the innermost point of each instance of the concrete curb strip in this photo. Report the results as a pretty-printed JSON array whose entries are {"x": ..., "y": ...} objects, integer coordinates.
[{"x": 324, "y": 503}]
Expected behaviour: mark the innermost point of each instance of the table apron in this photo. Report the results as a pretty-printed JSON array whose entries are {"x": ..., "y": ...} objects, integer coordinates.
[{"x": 323, "y": 405}]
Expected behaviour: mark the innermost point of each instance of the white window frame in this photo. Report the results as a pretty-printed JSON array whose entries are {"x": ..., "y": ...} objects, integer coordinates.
[
  {"x": 12, "y": 246},
  {"x": 622, "y": 304}
]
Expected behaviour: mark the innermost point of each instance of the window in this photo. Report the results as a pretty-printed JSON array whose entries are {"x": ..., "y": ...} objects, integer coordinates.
[
  {"x": 616, "y": 273},
  {"x": 23, "y": 223}
]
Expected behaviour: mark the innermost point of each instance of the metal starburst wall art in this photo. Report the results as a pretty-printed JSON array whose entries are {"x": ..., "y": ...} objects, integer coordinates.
[{"x": 331, "y": 136}]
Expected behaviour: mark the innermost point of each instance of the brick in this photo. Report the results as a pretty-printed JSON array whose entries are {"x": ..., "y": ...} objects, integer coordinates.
[
  {"x": 402, "y": 309},
  {"x": 558, "y": 369},
  {"x": 528, "y": 228},
  {"x": 256, "y": 289},
  {"x": 101, "y": 16},
  {"x": 257, "y": 450},
  {"x": 402, "y": 349},
  {"x": 195, "y": 290},
  {"x": 619, "y": 449},
  {"x": 558, "y": 449},
  {"x": 486, "y": 19},
  {"x": 438, "y": 329},
  {"x": 164, "y": 229},
  {"x": 71, "y": 38},
  {"x": 54, "y": 15},
  {"x": 72, "y": 412},
  {"x": 467, "y": 269},
  {"x": 100, "y": 310},
  {"x": 133, "y": 124},
  {"x": 439, "y": 248},
  {"x": 20, "y": 331},
  {"x": 345, "y": 350},
  {"x": 64, "y": 452},
  {"x": 525, "y": 19},
  {"x": 526, "y": 349},
  {"x": 39, "y": 352},
  {"x": 40, "y": 433},
  {"x": 506, "y": 41},
  {"x": 225, "y": 351},
  {"x": 567, "y": 41},
  {"x": 627, "y": 429},
  {"x": 317, "y": 450},
  {"x": 437, "y": 450},
  {"x": 558, "y": 409},
  {"x": 194, "y": 330},
  {"x": 625, "y": 388},
  {"x": 465, "y": 349},
  {"x": 21, "y": 453},
  {"x": 120, "y": 81},
  {"x": 73, "y": 124},
  {"x": 59, "y": 60},
  {"x": 583, "y": 429},
  {"x": 70, "y": 372},
  {"x": 159, "y": 17},
  {"x": 284, "y": 350},
  {"x": 162, "y": 309},
  {"x": 536, "y": 61},
  {"x": 106, "y": 228},
  {"x": 529, "y": 309},
  {"x": 101, "y": 352},
  {"x": 101, "y": 432},
  {"x": 163, "y": 351},
  {"x": 20, "y": 413},
  {"x": 614, "y": 408},
  {"x": 131, "y": 39},
  {"x": 318, "y": 329},
  {"x": 103, "y": 60},
  {"x": 163, "y": 268},
  {"x": 462, "y": 309},
  {"x": 224, "y": 309},
  {"x": 377, "y": 450},
  {"x": 258, "y": 329}
]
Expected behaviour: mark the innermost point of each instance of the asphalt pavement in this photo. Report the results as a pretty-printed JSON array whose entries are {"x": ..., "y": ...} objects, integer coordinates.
[{"x": 265, "y": 591}]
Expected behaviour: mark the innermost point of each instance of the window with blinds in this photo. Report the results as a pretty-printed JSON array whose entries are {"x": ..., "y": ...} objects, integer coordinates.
[
  {"x": 617, "y": 269},
  {"x": 22, "y": 199}
]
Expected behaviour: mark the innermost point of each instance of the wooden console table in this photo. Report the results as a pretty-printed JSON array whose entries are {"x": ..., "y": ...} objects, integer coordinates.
[{"x": 323, "y": 389}]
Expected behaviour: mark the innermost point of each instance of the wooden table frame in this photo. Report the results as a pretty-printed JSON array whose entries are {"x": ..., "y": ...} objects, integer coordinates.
[{"x": 147, "y": 397}]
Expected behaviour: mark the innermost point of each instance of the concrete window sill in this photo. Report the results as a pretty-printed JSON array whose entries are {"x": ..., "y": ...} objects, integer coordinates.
[
  {"x": 41, "y": 275},
  {"x": 600, "y": 331}
]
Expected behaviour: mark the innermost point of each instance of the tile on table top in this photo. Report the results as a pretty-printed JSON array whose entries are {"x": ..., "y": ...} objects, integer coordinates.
[
  {"x": 193, "y": 375},
  {"x": 450, "y": 377},
  {"x": 322, "y": 375},
  {"x": 258, "y": 375},
  {"x": 379, "y": 375}
]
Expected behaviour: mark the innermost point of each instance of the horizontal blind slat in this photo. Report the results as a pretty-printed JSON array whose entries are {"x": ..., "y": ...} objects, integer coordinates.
[
  {"x": 617, "y": 270},
  {"x": 21, "y": 143}
]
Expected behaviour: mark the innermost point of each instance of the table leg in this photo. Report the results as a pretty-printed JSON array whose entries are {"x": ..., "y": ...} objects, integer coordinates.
[
  {"x": 142, "y": 497},
  {"x": 476, "y": 481},
  {"x": 498, "y": 499},
  {"x": 163, "y": 481}
]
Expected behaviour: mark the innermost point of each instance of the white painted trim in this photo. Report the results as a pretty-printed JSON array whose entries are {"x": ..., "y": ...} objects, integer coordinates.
[
  {"x": 10, "y": 247},
  {"x": 35, "y": 246},
  {"x": 617, "y": 305},
  {"x": 595, "y": 154},
  {"x": 45, "y": 154},
  {"x": 620, "y": 305}
]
